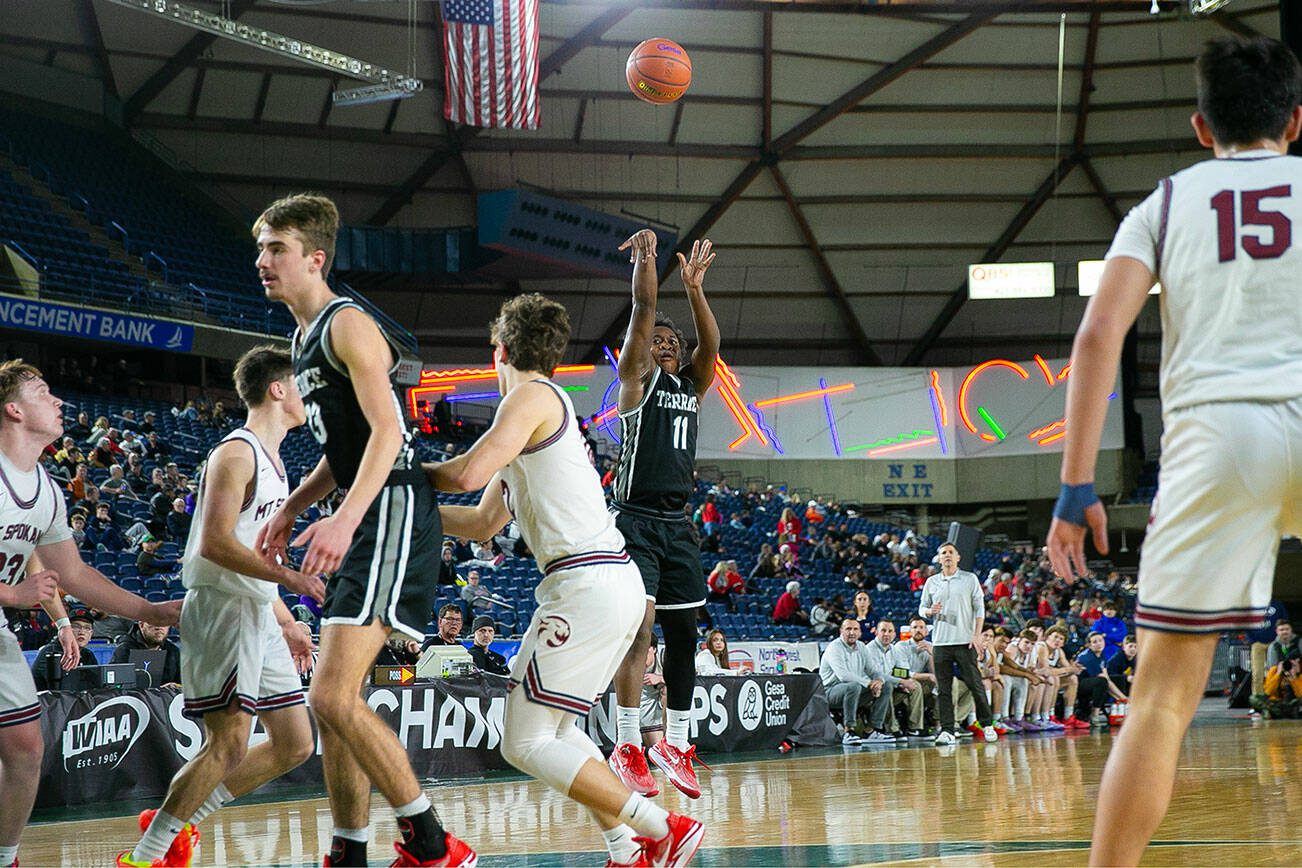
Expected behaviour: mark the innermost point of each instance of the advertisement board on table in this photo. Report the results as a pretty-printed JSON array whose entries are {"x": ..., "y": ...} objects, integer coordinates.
[{"x": 108, "y": 746}]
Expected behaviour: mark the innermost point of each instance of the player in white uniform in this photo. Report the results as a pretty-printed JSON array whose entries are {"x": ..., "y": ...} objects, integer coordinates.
[
  {"x": 236, "y": 658},
  {"x": 33, "y": 519},
  {"x": 532, "y": 464},
  {"x": 1220, "y": 238}
]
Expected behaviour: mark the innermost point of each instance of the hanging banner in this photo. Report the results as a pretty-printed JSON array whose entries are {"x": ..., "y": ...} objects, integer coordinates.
[{"x": 99, "y": 325}]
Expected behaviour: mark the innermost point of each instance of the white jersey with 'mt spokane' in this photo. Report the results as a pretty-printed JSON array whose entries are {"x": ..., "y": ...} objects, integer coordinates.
[
  {"x": 32, "y": 513},
  {"x": 269, "y": 491},
  {"x": 1224, "y": 238}
]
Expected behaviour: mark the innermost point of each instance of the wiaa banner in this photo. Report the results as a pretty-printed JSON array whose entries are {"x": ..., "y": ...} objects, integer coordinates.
[
  {"x": 114, "y": 745},
  {"x": 108, "y": 746}
]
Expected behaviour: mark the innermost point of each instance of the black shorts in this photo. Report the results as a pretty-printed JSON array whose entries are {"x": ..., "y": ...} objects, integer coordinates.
[
  {"x": 392, "y": 567},
  {"x": 668, "y": 555}
]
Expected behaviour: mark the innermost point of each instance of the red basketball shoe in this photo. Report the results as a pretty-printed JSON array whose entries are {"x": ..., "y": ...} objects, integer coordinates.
[
  {"x": 640, "y": 860},
  {"x": 629, "y": 765},
  {"x": 459, "y": 855},
  {"x": 679, "y": 846},
  {"x": 677, "y": 766}
]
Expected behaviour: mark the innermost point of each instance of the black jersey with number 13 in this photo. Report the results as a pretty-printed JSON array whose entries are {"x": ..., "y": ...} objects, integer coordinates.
[
  {"x": 333, "y": 414},
  {"x": 658, "y": 447}
]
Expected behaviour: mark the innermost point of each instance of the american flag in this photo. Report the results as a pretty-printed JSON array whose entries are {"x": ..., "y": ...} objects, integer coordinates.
[{"x": 490, "y": 63}]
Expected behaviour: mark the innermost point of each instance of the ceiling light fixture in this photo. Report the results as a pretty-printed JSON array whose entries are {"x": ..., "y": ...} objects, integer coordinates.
[
  {"x": 276, "y": 43},
  {"x": 376, "y": 93},
  {"x": 1205, "y": 7}
]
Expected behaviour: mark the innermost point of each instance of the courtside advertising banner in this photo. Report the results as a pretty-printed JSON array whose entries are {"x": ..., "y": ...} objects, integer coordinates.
[{"x": 107, "y": 746}]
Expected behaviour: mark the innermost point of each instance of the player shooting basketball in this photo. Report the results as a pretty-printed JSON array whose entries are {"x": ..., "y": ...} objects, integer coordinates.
[{"x": 659, "y": 398}]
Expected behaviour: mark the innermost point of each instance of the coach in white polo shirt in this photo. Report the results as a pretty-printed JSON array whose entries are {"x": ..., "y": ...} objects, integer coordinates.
[{"x": 952, "y": 599}]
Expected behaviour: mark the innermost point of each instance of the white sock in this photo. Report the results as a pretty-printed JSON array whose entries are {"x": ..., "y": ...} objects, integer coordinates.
[
  {"x": 8, "y": 855},
  {"x": 362, "y": 835},
  {"x": 628, "y": 725},
  {"x": 645, "y": 816},
  {"x": 162, "y": 831},
  {"x": 620, "y": 843},
  {"x": 215, "y": 800},
  {"x": 676, "y": 726},
  {"x": 418, "y": 805}
]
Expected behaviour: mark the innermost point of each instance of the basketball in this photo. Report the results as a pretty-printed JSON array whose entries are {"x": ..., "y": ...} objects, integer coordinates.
[{"x": 658, "y": 71}]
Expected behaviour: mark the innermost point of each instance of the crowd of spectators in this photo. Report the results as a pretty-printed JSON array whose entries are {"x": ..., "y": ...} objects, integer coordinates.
[{"x": 123, "y": 484}]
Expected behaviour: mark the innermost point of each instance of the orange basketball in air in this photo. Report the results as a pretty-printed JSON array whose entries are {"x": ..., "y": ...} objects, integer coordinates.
[{"x": 658, "y": 71}]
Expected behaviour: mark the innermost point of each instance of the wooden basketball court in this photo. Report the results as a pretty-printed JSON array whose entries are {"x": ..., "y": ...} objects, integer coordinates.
[{"x": 1027, "y": 800}]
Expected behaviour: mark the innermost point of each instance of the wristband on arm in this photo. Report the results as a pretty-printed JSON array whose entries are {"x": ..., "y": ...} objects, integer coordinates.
[
  {"x": 61, "y": 623},
  {"x": 1072, "y": 501}
]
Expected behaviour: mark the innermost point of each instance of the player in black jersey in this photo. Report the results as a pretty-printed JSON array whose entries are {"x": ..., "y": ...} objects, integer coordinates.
[
  {"x": 659, "y": 397},
  {"x": 380, "y": 546}
]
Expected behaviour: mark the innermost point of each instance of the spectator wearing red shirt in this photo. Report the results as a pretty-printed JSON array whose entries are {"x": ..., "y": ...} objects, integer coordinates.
[
  {"x": 787, "y": 609},
  {"x": 723, "y": 582},
  {"x": 1002, "y": 589},
  {"x": 710, "y": 517},
  {"x": 1045, "y": 608},
  {"x": 789, "y": 528}
]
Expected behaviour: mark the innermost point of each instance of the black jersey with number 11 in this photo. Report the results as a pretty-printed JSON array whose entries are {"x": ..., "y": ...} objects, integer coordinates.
[
  {"x": 658, "y": 448},
  {"x": 333, "y": 414}
]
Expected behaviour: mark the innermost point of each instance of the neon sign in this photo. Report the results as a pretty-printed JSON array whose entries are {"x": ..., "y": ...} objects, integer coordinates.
[
  {"x": 729, "y": 388},
  {"x": 800, "y": 396},
  {"x": 938, "y": 412},
  {"x": 909, "y": 438},
  {"x": 435, "y": 381},
  {"x": 916, "y": 403},
  {"x": 831, "y": 420}
]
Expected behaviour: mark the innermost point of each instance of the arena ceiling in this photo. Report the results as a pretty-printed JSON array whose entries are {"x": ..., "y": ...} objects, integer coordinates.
[{"x": 849, "y": 160}]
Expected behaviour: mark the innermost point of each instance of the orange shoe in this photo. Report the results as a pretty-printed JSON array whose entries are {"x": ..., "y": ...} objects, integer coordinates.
[
  {"x": 629, "y": 765},
  {"x": 124, "y": 860},
  {"x": 458, "y": 855},
  {"x": 181, "y": 853},
  {"x": 679, "y": 846},
  {"x": 677, "y": 766}
]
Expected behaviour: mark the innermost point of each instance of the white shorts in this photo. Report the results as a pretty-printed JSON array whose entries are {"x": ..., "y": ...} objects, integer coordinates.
[
  {"x": 652, "y": 709},
  {"x": 586, "y": 620},
  {"x": 1015, "y": 687},
  {"x": 18, "y": 702},
  {"x": 232, "y": 650},
  {"x": 1229, "y": 488}
]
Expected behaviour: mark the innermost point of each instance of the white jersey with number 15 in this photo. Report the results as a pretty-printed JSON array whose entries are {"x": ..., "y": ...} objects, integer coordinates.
[{"x": 1224, "y": 237}]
